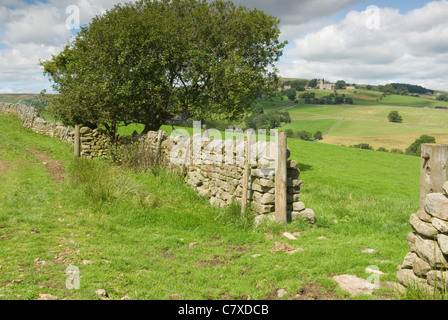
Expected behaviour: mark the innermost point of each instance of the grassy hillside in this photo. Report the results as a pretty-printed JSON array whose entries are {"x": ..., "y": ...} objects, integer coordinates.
[
  {"x": 312, "y": 126},
  {"x": 149, "y": 236},
  {"x": 409, "y": 101},
  {"x": 17, "y": 98},
  {"x": 356, "y": 124}
]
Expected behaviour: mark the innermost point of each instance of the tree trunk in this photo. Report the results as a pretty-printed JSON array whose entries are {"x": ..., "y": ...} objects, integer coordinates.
[{"x": 151, "y": 127}]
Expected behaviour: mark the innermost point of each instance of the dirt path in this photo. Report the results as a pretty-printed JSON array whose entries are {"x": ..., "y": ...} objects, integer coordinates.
[{"x": 54, "y": 168}]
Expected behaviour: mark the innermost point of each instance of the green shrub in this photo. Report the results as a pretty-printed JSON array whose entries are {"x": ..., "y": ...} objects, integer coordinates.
[
  {"x": 382, "y": 149},
  {"x": 363, "y": 146},
  {"x": 289, "y": 133},
  {"x": 271, "y": 120},
  {"x": 396, "y": 151},
  {"x": 257, "y": 109},
  {"x": 303, "y": 135},
  {"x": 394, "y": 117},
  {"x": 415, "y": 148},
  {"x": 318, "y": 135}
]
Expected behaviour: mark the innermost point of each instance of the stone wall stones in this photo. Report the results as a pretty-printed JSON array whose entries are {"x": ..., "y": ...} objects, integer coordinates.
[
  {"x": 216, "y": 173},
  {"x": 425, "y": 266}
]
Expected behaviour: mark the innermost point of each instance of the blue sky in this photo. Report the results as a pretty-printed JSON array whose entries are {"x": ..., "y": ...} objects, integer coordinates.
[{"x": 327, "y": 39}]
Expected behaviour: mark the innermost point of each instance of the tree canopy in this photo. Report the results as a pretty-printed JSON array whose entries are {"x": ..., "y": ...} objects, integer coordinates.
[
  {"x": 340, "y": 85},
  {"x": 148, "y": 61},
  {"x": 394, "y": 116}
]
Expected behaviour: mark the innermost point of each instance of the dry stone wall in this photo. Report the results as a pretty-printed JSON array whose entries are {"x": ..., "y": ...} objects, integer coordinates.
[
  {"x": 31, "y": 120},
  {"x": 213, "y": 167},
  {"x": 427, "y": 264},
  {"x": 94, "y": 143}
]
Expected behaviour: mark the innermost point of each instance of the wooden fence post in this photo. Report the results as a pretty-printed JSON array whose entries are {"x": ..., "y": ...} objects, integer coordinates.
[
  {"x": 281, "y": 179},
  {"x": 433, "y": 169},
  {"x": 77, "y": 142},
  {"x": 246, "y": 174}
]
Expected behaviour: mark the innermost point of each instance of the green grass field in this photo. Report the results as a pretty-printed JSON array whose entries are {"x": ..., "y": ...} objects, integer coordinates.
[
  {"x": 275, "y": 103},
  {"x": 130, "y": 233},
  {"x": 310, "y": 125},
  {"x": 396, "y": 100},
  {"x": 365, "y": 128},
  {"x": 357, "y": 124},
  {"x": 420, "y": 116}
]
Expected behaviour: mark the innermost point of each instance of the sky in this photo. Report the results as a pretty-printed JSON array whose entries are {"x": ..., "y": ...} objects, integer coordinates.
[{"x": 365, "y": 42}]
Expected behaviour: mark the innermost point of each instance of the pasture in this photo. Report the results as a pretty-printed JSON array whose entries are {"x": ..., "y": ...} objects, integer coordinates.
[{"x": 148, "y": 235}]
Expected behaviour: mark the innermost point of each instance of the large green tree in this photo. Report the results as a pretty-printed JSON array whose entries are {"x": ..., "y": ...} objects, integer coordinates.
[
  {"x": 148, "y": 61},
  {"x": 340, "y": 85}
]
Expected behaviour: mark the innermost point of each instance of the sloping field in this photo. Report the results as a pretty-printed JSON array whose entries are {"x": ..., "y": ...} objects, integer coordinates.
[
  {"x": 147, "y": 235},
  {"x": 310, "y": 125},
  {"x": 369, "y": 124},
  {"x": 421, "y": 116},
  {"x": 16, "y": 98},
  {"x": 372, "y": 128},
  {"x": 396, "y": 100}
]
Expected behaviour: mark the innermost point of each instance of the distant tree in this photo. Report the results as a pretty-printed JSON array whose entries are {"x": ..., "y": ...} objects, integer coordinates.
[
  {"x": 289, "y": 133},
  {"x": 303, "y": 135},
  {"x": 312, "y": 83},
  {"x": 387, "y": 89},
  {"x": 402, "y": 90},
  {"x": 269, "y": 120},
  {"x": 369, "y": 87},
  {"x": 290, "y": 93},
  {"x": 398, "y": 151},
  {"x": 442, "y": 97},
  {"x": 382, "y": 149},
  {"x": 415, "y": 148},
  {"x": 285, "y": 117},
  {"x": 340, "y": 85},
  {"x": 310, "y": 95},
  {"x": 250, "y": 123},
  {"x": 394, "y": 117},
  {"x": 338, "y": 99},
  {"x": 257, "y": 109},
  {"x": 299, "y": 85},
  {"x": 318, "y": 135},
  {"x": 363, "y": 146},
  {"x": 411, "y": 88},
  {"x": 348, "y": 100}
]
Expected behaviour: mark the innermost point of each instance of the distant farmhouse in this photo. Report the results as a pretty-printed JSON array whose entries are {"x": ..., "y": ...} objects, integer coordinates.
[{"x": 325, "y": 86}]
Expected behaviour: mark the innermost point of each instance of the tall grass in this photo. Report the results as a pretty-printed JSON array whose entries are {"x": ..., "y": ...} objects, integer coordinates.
[{"x": 99, "y": 181}]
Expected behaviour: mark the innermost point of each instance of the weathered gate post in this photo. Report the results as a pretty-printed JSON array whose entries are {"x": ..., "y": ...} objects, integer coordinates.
[
  {"x": 281, "y": 179},
  {"x": 246, "y": 175},
  {"x": 433, "y": 169},
  {"x": 77, "y": 152}
]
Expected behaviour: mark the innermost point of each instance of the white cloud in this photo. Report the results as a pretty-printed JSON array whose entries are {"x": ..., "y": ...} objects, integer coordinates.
[
  {"x": 412, "y": 47},
  {"x": 32, "y": 32}
]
